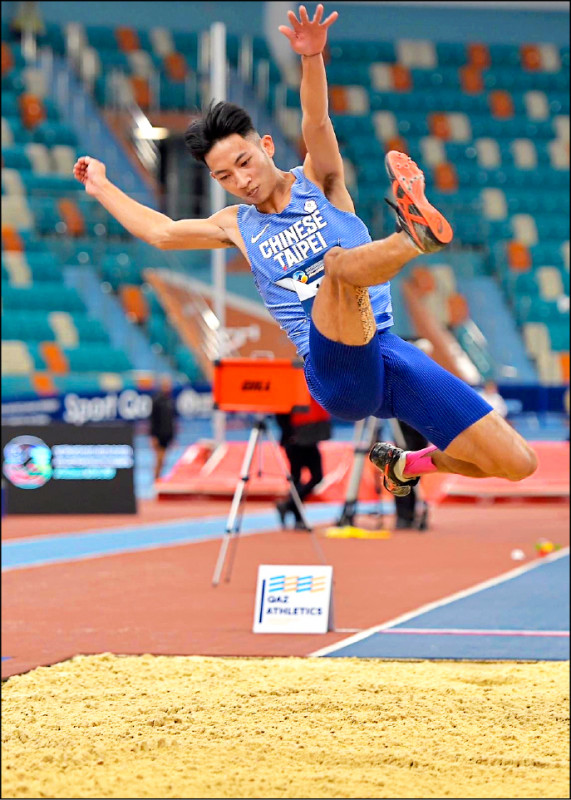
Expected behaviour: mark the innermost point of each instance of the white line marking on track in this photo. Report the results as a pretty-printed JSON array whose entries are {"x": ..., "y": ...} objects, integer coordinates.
[
  {"x": 439, "y": 603},
  {"x": 470, "y": 632}
]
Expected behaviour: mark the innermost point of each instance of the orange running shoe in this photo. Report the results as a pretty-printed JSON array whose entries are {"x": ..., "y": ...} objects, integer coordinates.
[{"x": 426, "y": 226}]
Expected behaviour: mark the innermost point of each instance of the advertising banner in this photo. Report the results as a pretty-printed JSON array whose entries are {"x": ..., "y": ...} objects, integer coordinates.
[
  {"x": 128, "y": 405},
  {"x": 65, "y": 469}
]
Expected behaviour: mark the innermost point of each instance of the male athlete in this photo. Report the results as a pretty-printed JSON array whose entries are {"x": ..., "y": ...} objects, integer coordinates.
[{"x": 324, "y": 280}]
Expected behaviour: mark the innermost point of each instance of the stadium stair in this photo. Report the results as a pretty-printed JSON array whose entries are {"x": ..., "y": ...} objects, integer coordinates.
[
  {"x": 489, "y": 312},
  {"x": 123, "y": 333}
]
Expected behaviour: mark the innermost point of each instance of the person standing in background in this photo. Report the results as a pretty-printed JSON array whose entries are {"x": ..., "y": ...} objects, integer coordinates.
[
  {"x": 162, "y": 422},
  {"x": 301, "y": 433}
]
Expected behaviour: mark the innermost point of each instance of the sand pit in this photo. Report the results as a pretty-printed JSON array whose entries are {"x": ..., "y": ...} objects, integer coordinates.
[{"x": 107, "y": 726}]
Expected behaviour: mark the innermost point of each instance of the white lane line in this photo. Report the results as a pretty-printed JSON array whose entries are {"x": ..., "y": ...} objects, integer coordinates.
[
  {"x": 471, "y": 632},
  {"x": 479, "y": 587}
]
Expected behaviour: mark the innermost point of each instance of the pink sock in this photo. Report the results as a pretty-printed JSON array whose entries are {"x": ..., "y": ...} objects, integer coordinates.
[{"x": 418, "y": 462}]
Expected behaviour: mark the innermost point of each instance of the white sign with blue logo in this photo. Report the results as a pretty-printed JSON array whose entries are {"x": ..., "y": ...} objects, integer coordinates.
[{"x": 294, "y": 599}]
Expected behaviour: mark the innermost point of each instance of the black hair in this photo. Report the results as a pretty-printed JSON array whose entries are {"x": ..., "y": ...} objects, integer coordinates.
[{"x": 221, "y": 119}]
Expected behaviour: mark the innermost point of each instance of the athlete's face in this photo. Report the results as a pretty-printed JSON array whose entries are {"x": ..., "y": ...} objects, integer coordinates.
[{"x": 244, "y": 166}]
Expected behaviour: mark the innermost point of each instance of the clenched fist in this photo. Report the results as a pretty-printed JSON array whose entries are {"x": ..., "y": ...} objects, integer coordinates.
[{"x": 90, "y": 172}]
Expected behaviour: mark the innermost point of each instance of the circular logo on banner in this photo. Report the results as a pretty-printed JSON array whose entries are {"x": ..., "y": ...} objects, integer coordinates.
[
  {"x": 300, "y": 276},
  {"x": 27, "y": 462}
]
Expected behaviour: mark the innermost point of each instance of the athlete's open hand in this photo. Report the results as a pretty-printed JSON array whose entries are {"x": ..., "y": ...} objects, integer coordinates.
[
  {"x": 308, "y": 37},
  {"x": 90, "y": 172}
]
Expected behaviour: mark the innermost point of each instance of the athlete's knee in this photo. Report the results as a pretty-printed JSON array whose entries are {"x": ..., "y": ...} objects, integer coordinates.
[
  {"x": 521, "y": 465},
  {"x": 333, "y": 263}
]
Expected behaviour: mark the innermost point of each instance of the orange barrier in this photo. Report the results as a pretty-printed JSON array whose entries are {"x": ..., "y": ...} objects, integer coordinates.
[
  {"x": 205, "y": 471},
  {"x": 260, "y": 385},
  {"x": 551, "y": 479}
]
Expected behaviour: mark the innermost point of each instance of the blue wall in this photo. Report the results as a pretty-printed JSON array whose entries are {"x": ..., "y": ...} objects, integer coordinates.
[
  {"x": 144, "y": 14},
  {"x": 383, "y": 20}
]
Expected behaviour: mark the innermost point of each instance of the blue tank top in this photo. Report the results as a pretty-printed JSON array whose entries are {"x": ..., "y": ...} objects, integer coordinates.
[{"x": 286, "y": 254}]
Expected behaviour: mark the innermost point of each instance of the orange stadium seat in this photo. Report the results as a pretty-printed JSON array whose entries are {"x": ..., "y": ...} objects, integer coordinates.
[
  {"x": 396, "y": 143},
  {"x": 471, "y": 79},
  {"x": 440, "y": 126},
  {"x": 175, "y": 66},
  {"x": 11, "y": 239},
  {"x": 32, "y": 110},
  {"x": 54, "y": 357},
  {"x": 134, "y": 303},
  {"x": 501, "y": 104},
  {"x": 141, "y": 91},
  {"x": 445, "y": 177},
  {"x": 7, "y": 58},
  {"x": 43, "y": 384},
  {"x": 478, "y": 55},
  {"x": 530, "y": 57},
  {"x": 339, "y": 99},
  {"x": 72, "y": 217},
  {"x": 127, "y": 39},
  {"x": 458, "y": 311},
  {"x": 519, "y": 257},
  {"x": 564, "y": 363},
  {"x": 402, "y": 81},
  {"x": 423, "y": 280}
]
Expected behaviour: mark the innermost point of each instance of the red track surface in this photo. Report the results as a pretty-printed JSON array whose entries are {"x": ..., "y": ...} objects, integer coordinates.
[{"x": 162, "y": 601}]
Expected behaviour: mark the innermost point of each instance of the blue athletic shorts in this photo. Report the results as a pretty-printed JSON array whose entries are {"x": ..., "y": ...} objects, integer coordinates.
[{"x": 389, "y": 377}]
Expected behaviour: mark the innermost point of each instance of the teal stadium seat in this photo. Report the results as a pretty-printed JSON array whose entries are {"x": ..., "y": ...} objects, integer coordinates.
[
  {"x": 348, "y": 74},
  {"x": 17, "y": 386},
  {"x": 52, "y": 133},
  {"x": 443, "y": 77},
  {"x": 78, "y": 383},
  {"x": 367, "y": 51},
  {"x": 46, "y": 297},
  {"x": 559, "y": 334},
  {"x": 31, "y": 326},
  {"x": 451, "y": 54},
  {"x": 16, "y": 158},
  {"x": 96, "y": 357}
]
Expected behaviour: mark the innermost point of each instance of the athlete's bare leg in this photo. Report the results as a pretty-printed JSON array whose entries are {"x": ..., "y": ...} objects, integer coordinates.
[{"x": 342, "y": 310}]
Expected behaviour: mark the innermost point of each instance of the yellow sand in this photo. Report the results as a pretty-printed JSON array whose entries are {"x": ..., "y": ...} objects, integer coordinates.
[{"x": 108, "y": 726}]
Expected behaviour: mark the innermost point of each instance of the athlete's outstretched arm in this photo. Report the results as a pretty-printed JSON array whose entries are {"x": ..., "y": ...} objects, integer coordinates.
[
  {"x": 308, "y": 38},
  {"x": 147, "y": 224}
]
